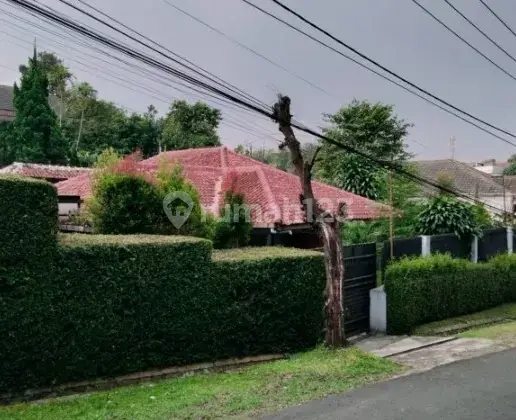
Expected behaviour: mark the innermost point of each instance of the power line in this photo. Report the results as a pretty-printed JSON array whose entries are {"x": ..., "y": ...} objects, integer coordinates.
[
  {"x": 377, "y": 64},
  {"x": 147, "y": 89},
  {"x": 256, "y": 53},
  {"x": 491, "y": 40},
  {"x": 429, "y": 13},
  {"x": 192, "y": 67},
  {"x": 389, "y": 165},
  {"x": 498, "y": 17}
]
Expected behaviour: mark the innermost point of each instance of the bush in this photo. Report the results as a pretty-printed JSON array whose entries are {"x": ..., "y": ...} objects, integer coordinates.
[
  {"x": 111, "y": 305},
  {"x": 29, "y": 219},
  {"x": 437, "y": 287},
  {"x": 233, "y": 230}
]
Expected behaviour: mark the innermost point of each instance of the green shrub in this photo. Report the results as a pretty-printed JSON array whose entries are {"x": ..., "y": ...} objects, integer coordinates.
[
  {"x": 110, "y": 305},
  {"x": 233, "y": 230},
  {"x": 28, "y": 219},
  {"x": 124, "y": 204},
  {"x": 437, "y": 287}
]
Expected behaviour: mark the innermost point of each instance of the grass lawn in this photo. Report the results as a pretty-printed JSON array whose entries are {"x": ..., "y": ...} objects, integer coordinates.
[
  {"x": 507, "y": 311},
  {"x": 238, "y": 395},
  {"x": 506, "y": 330}
]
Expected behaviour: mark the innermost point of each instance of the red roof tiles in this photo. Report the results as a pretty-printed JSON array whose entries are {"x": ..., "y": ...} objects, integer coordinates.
[{"x": 273, "y": 195}]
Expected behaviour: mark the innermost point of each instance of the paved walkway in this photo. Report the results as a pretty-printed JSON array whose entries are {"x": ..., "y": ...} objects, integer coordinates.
[
  {"x": 424, "y": 353},
  {"x": 474, "y": 389}
]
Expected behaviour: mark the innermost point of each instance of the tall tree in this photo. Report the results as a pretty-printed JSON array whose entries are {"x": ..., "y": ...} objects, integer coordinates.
[
  {"x": 58, "y": 76},
  {"x": 190, "y": 126},
  {"x": 35, "y": 134},
  {"x": 327, "y": 227},
  {"x": 370, "y": 128}
]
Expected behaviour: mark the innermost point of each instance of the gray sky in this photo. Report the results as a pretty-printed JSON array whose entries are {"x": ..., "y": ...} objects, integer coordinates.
[{"x": 395, "y": 33}]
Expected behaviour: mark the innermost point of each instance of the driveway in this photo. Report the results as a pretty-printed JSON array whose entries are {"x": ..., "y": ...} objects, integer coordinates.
[{"x": 481, "y": 388}]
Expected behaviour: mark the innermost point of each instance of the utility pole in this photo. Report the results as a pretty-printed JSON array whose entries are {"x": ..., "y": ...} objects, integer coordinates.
[
  {"x": 452, "y": 147},
  {"x": 391, "y": 216}
]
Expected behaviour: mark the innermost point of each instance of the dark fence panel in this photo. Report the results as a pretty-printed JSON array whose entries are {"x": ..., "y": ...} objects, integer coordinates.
[
  {"x": 451, "y": 244},
  {"x": 360, "y": 277},
  {"x": 493, "y": 242},
  {"x": 402, "y": 247}
]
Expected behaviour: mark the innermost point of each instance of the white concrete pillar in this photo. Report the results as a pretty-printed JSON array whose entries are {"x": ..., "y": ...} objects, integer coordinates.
[
  {"x": 509, "y": 241},
  {"x": 425, "y": 245},
  {"x": 378, "y": 310},
  {"x": 474, "y": 249}
]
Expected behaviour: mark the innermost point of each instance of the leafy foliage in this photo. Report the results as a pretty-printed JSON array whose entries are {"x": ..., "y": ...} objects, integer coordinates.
[
  {"x": 360, "y": 176},
  {"x": 444, "y": 214},
  {"x": 233, "y": 229},
  {"x": 438, "y": 287},
  {"x": 28, "y": 211},
  {"x": 190, "y": 126},
  {"x": 370, "y": 128},
  {"x": 112, "y": 305},
  {"x": 35, "y": 136},
  {"x": 127, "y": 201}
]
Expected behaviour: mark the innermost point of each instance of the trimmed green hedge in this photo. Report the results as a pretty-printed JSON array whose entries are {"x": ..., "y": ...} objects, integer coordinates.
[
  {"x": 437, "y": 287},
  {"x": 114, "y": 305},
  {"x": 28, "y": 219}
]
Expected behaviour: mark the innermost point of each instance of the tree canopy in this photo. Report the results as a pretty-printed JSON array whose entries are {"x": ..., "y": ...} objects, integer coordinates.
[
  {"x": 190, "y": 126},
  {"x": 35, "y": 135},
  {"x": 370, "y": 128}
]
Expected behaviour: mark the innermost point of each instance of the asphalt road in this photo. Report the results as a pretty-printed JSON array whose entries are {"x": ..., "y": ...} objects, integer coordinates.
[{"x": 482, "y": 388}]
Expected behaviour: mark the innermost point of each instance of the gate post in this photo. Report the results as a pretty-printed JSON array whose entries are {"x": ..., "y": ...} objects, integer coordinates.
[
  {"x": 509, "y": 241},
  {"x": 425, "y": 245},
  {"x": 474, "y": 249}
]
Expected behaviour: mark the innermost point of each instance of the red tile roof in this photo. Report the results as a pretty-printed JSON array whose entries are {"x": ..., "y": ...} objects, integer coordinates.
[
  {"x": 272, "y": 194},
  {"x": 36, "y": 170}
]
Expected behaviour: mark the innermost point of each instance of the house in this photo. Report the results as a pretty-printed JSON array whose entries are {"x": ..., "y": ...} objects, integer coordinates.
[
  {"x": 491, "y": 167},
  {"x": 469, "y": 181},
  {"x": 273, "y": 195},
  {"x": 52, "y": 174},
  {"x": 6, "y": 103}
]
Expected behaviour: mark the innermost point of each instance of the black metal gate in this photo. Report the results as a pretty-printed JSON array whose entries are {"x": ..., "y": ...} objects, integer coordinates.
[{"x": 360, "y": 264}]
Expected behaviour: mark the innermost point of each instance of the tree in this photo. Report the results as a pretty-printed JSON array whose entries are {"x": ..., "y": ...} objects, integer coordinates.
[
  {"x": 82, "y": 96},
  {"x": 58, "y": 76},
  {"x": 511, "y": 169},
  {"x": 360, "y": 176},
  {"x": 327, "y": 227},
  {"x": 233, "y": 229},
  {"x": 190, "y": 126},
  {"x": 446, "y": 214},
  {"x": 370, "y": 128},
  {"x": 35, "y": 134}
]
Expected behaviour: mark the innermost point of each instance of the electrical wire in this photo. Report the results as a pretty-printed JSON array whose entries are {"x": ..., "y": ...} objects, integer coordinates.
[
  {"x": 377, "y": 64},
  {"x": 498, "y": 17},
  {"x": 190, "y": 66},
  {"x": 395, "y": 167},
  {"x": 429, "y": 13},
  {"x": 256, "y": 53},
  {"x": 491, "y": 40}
]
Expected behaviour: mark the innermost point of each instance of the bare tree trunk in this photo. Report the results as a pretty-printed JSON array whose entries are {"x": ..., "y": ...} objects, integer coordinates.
[{"x": 328, "y": 228}]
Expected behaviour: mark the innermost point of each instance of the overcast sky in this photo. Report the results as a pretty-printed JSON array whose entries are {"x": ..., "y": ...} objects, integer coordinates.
[{"x": 395, "y": 32}]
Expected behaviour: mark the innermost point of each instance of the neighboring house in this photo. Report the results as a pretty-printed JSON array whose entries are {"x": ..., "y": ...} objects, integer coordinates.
[
  {"x": 7, "y": 106},
  {"x": 6, "y": 103},
  {"x": 52, "y": 174},
  {"x": 468, "y": 181},
  {"x": 273, "y": 195},
  {"x": 491, "y": 167}
]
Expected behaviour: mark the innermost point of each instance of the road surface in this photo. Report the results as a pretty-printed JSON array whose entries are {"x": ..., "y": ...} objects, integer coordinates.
[{"x": 476, "y": 389}]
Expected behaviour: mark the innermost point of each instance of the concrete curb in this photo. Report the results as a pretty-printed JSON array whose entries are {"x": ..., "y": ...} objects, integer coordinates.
[{"x": 134, "y": 378}]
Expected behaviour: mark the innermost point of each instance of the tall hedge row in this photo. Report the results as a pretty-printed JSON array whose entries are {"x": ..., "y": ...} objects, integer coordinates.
[
  {"x": 28, "y": 219},
  {"x": 110, "y": 305},
  {"x": 438, "y": 287}
]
